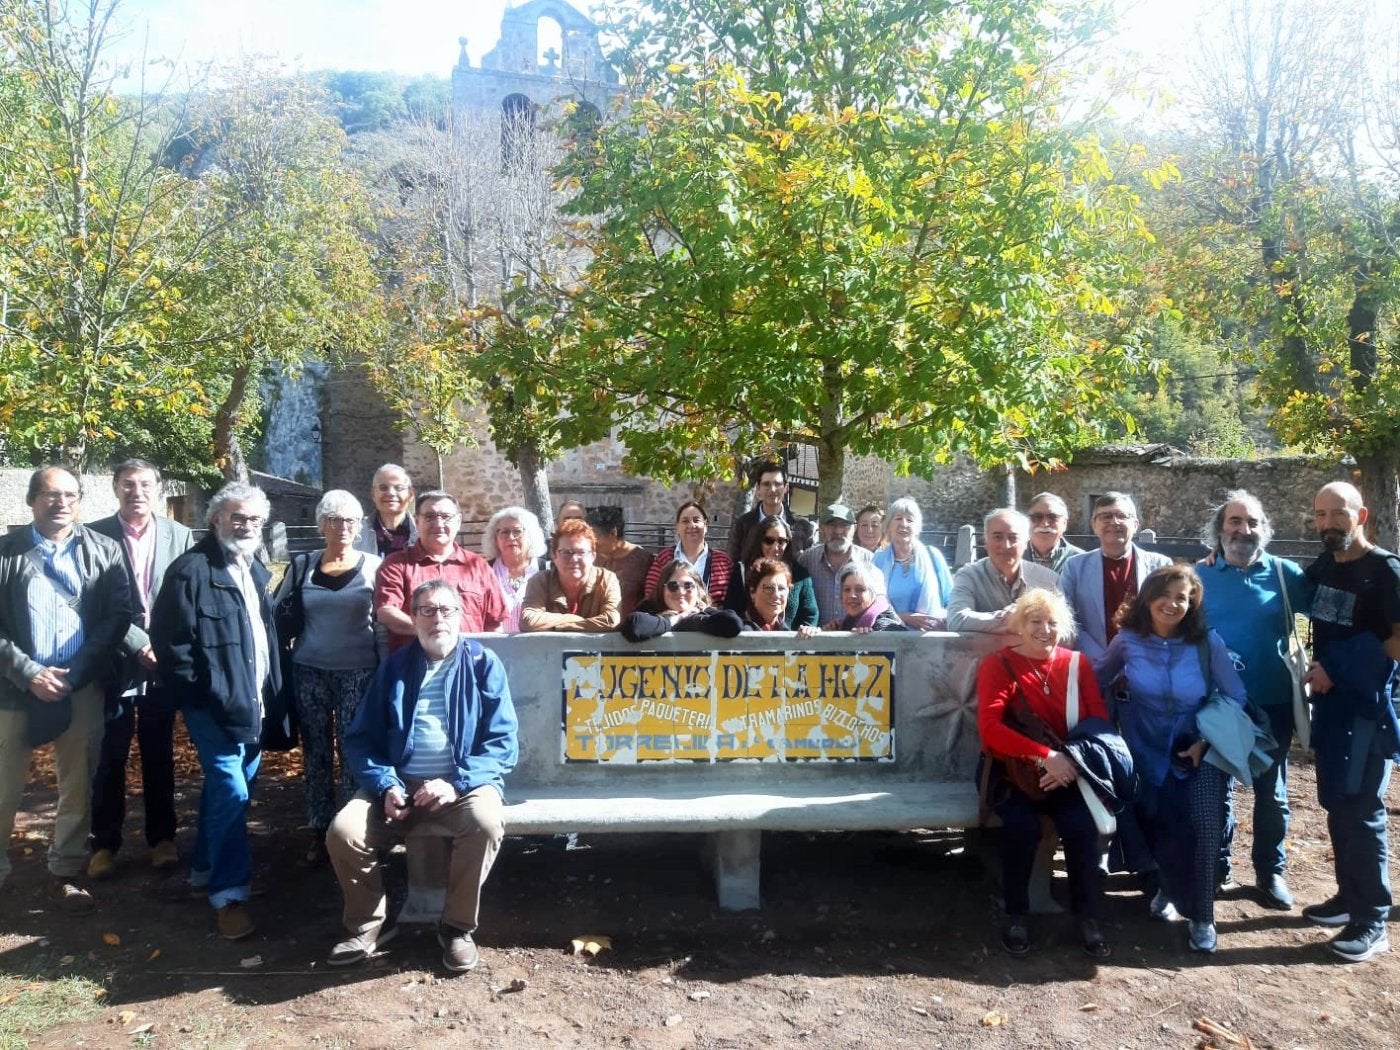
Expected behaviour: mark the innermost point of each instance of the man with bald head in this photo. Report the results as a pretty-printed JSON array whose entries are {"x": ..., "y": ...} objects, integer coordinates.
[
  {"x": 1356, "y": 651},
  {"x": 985, "y": 591},
  {"x": 65, "y": 606}
]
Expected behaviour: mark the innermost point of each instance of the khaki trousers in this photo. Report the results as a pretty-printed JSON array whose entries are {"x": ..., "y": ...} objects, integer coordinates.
[
  {"x": 75, "y": 753},
  {"x": 360, "y": 830}
]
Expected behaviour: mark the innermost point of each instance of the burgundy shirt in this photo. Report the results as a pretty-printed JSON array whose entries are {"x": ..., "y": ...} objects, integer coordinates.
[
  {"x": 1119, "y": 584},
  {"x": 483, "y": 607}
]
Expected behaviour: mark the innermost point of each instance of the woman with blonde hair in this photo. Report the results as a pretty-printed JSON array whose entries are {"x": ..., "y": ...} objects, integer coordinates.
[{"x": 1025, "y": 696}]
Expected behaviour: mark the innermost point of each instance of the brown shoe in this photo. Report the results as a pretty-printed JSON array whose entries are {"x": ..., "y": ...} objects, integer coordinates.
[
  {"x": 102, "y": 864},
  {"x": 164, "y": 856},
  {"x": 72, "y": 899},
  {"x": 459, "y": 952},
  {"x": 233, "y": 921}
]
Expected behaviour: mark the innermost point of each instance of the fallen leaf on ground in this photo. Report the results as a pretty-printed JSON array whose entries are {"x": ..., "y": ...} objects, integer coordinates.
[
  {"x": 66, "y": 960},
  {"x": 250, "y": 962},
  {"x": 699, "y": 996},
  {"x": 919, "y": 1010},
  {"x": 112, "y": 939},
  {"x": 993, "y": 1019},
  {"x": 126, "y": 1016},
  {"x": 153, "y": 956},
  {"x": 141, "y": 1029},
  {"x": 673, "y": 1020},
  {"x": 1088, "y": 1006},
  {"x": 590, "y": 944}
]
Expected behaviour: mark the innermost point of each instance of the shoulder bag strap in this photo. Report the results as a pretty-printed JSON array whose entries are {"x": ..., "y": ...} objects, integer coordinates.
[
  {"x": 1072, "y": 692},
  {"x": 1292, "y": 623}
]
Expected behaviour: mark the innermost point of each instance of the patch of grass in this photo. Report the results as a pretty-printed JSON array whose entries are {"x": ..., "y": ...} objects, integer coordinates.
[{"x": 29, "y": 1007}]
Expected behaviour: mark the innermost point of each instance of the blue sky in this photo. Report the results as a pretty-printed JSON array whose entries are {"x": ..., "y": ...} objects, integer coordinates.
[{"x": 420, "y": 36}]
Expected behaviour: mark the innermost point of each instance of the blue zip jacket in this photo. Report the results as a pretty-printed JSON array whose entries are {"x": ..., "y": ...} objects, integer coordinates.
[
  {"x": 1165, "y": 689},
  {"x": 481, "y": 721}
]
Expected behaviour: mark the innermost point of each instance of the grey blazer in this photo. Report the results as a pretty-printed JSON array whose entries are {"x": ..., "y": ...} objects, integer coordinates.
[
  {"x": 104, "y": 607},
  {"x": 1081, "y": 580},
  {"x": 172, "y": 540}
]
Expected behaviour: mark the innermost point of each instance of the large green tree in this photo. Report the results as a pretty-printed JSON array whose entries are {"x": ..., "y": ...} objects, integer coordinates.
[
  {"x": 865, "y": 225},
  {"x": 1292, "y": 201},
  {"x": 94, "y": 235}
]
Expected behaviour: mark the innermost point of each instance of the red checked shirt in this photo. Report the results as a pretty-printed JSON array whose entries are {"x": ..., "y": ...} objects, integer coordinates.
[{"x": 483, "y": 607}]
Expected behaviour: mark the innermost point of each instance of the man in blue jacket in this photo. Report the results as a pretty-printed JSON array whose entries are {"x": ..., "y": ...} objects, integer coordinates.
[{"x": 430, "y": 747}]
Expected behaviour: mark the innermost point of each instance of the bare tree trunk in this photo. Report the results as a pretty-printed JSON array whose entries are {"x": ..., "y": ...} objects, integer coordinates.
[
  {"x": 228, "y": 450},
  {"x": 535, "y": 482},
  {"x": 1380, "y": 491}
]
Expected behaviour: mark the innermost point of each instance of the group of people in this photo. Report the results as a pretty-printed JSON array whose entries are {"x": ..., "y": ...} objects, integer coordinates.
[
  {"x": 407, "y": 726},
  {"x": 1136, "y": 684}
]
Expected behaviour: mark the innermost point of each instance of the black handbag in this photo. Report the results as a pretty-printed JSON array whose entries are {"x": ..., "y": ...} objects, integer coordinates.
[{"x": 281, "y": 724}]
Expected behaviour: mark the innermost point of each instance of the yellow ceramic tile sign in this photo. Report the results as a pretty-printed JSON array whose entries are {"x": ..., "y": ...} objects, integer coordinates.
[{"x": 722, "y": 706}]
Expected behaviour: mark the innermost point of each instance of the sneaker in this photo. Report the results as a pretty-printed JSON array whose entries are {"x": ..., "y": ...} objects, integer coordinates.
[
  {"x": 1274, "y": 892},
  {"x": 1201, "y": 937},
  {"x": 1329, "y": 913},
  {"x": 1091, "y": 939},
  {"x": 1225, "y": 878},
  {"x": 1162, "y": 908},
  {"x": 1357, "y": 943},
  {"x": 459, "y": 952},
  {"x": 72, "y": 899},
  {"x": 1016, "y": 936},
  {"x": 164, "y": 856},
  {"x": 362, "y": 945},
  {"x": 102, "y": 864},
  {"x": 233, "y": 921}
]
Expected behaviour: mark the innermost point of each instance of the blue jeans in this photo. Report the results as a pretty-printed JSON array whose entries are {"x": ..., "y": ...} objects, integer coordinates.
[
  {"x": 1360, "y": 849},
  {"x": 1270, "y": 802},
  {"x": 222, "y": 860}
]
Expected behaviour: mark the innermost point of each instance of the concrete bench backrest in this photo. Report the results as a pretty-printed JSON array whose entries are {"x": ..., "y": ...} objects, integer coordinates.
[{"x": 798, "y": 691}]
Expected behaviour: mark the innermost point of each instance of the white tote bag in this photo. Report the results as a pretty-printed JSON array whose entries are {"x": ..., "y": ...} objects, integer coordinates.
[{"x": 1105, "y": 821}]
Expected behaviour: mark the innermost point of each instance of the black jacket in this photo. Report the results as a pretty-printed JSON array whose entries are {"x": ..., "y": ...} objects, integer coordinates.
[
  {"x": 641, "y": 626},
  {"x": 1102, "y": 757},
  {"x": 203, "y": 639}
]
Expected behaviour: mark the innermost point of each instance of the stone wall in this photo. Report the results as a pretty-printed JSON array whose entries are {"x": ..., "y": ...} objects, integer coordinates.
[
  {"x": 1174, "y": 492},
  {"x": 99, "y": 501}
]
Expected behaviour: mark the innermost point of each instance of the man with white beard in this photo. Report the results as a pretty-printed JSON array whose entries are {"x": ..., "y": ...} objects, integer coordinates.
[
  {"x": 1244, "y": 600},
  {"x": 825, "y": 561},
  {"x": 1049, "y": 518},
  {"x": 213, "y": 635}
]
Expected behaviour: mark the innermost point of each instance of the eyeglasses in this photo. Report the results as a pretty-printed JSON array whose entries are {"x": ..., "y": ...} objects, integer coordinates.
[
  {"x": 1117, "y": 517},
  {"x": 776, "y": 541},
  {"x": 678, "y": 586},
  {"x": 1047, "y": 517},
  {"x": 251, "y": 520},
  {"x": 574, "y": 553},
  {"x": 337, "y": 522},
  {"x": 511, "y": 534},
  {"x": 53, "y": 496},
  {"x": 774, "y": 588},
  {"x": 435, "y": 612},
  {"x": 438, "y": 516}
]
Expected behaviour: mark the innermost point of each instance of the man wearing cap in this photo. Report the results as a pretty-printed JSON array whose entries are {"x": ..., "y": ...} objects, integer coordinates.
[{"x": 826, "y": 560}]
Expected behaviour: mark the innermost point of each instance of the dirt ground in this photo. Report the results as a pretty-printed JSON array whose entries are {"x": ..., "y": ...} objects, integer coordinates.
[{"x": 864, "y": 940}]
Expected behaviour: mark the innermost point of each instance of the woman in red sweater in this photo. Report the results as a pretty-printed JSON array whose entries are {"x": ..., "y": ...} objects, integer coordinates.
[{"x": 1022, "y": 717}]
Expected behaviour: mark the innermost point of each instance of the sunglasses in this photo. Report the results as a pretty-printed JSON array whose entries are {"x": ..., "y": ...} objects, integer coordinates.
[{"x": 677, "y": 586}]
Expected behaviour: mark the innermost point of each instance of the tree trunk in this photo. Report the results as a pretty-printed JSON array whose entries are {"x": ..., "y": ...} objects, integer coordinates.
[
  {"x": 831, "y": 444},
  {"x": 1380, "y": 491},
  {"x": 535, "y": 482},
  {"x": 228, "y": 450}
]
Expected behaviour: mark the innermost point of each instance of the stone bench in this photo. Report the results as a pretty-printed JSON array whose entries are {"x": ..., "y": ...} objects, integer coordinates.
[{"x": 690, "y": 734}]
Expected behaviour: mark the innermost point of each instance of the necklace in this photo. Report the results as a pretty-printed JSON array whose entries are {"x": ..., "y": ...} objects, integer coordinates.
[
  {"x": 1042, "y": 677},
  {"x": 905, "y": 564}
]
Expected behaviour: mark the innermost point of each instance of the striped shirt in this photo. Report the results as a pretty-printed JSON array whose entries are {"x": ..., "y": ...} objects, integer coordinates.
[
  {"x": 57, "y": 627},
  {"x": 431, "y": 756}
]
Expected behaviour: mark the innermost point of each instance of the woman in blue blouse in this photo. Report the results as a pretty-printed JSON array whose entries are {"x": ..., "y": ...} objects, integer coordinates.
[
  {"x": 917, "y": 581},
  {"x": 1165, "y": 652}
]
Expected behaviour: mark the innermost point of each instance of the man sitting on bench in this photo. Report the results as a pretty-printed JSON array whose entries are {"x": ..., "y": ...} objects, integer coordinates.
[{"x": 434, "y": 737}]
